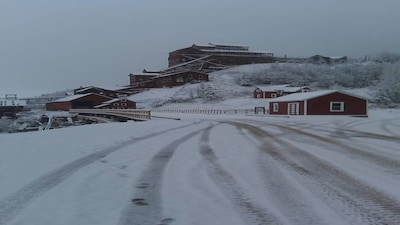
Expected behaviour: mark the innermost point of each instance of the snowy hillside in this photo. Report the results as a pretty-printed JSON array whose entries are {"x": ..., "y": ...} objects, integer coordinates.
[{"x": 233, "y": 88}]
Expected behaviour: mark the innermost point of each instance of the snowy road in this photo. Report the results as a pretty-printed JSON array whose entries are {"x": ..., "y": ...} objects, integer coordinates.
[{"x": 207, "y": 171}]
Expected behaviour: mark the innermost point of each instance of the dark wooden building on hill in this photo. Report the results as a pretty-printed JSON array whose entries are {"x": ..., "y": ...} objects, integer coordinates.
[
  {"x": 329, "y": 102},
  {"x": 135, "y": 78},
  {"x": 170, "y": 80},
  {"x": 206, "y": 58}
]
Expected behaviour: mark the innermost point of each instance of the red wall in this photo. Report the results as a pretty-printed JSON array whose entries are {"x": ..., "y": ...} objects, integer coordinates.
[
  {"x": 352, "y": 105},
  {"x": 58, "y": 106}
]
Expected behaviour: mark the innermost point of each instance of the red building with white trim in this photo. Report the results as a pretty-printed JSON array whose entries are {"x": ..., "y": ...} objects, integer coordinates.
[{"x": 330, "y": 102}]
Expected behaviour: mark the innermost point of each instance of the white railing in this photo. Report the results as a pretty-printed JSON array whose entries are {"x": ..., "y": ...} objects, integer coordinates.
[
  {"x": 134, "y": 114},
  {"x": 207, "y": 111}
]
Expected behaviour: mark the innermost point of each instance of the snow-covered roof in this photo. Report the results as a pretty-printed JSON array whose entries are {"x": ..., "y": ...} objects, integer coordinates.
[
  {"x": 283, "y": 87},
  {"x": 308, "y": 95},
  {"x": 113, "y": 88},
  {"x": 144, "y": 74},
  {"x": 86, "y": 88},
  {"x": 71, "y": 97},
  {"x": 111, "y": 101},
  {"x": 101, "y": 105}
]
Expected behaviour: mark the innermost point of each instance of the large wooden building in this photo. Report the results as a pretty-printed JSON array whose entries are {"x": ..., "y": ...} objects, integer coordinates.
[
  {"x": 206, "y": 58},
  {"x": 328, "y": 102},
  {"x": 81, "y": 101}
]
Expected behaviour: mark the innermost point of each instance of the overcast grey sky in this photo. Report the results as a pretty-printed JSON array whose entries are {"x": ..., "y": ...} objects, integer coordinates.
[{"x": 50, "y": 45}]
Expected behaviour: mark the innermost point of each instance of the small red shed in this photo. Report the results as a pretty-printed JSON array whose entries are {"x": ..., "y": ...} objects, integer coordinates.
[
  {"x": 277, "y": 91},
  {"x": 83, "y": 101},
  {"x": 330, "y": 102}
]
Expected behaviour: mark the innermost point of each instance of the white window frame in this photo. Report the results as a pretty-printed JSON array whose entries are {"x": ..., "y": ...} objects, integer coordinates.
[
  {"x": 273, "y": 96},
  {"x": 275, "y": 107},
  {"x": 332, "y": 104}
]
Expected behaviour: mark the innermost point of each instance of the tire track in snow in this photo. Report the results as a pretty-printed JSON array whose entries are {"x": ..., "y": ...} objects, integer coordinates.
[
  {"x": 386, "y": 123},
  {"x": 249, "y": 211},
  {"x": 354, "y": 200},
  {"x": 343, "y": 131},
  {"x": 11, "y": 205},
  {"x": 145, "y": 207},
  {"x": 295, "y": 207},
  {"x": 379, "y": 160}
]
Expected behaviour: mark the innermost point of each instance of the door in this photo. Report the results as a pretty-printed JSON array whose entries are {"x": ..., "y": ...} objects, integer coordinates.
[{"x": 293, "y": 108}]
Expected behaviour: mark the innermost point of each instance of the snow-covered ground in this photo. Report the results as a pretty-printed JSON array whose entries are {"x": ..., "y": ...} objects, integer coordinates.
[
  {"x": 214, "y": 169},
  {"x": 206, "y": 169}
]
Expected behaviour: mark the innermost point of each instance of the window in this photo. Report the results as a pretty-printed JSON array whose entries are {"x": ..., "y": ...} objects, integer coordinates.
[
  {"x": 179, "y": 78},
  {"x": 276, "y": 107},
  {"x": 337, "y": 106},
  {"x": 273, "y": 95},
  {"x": 200, "y": 77}
]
